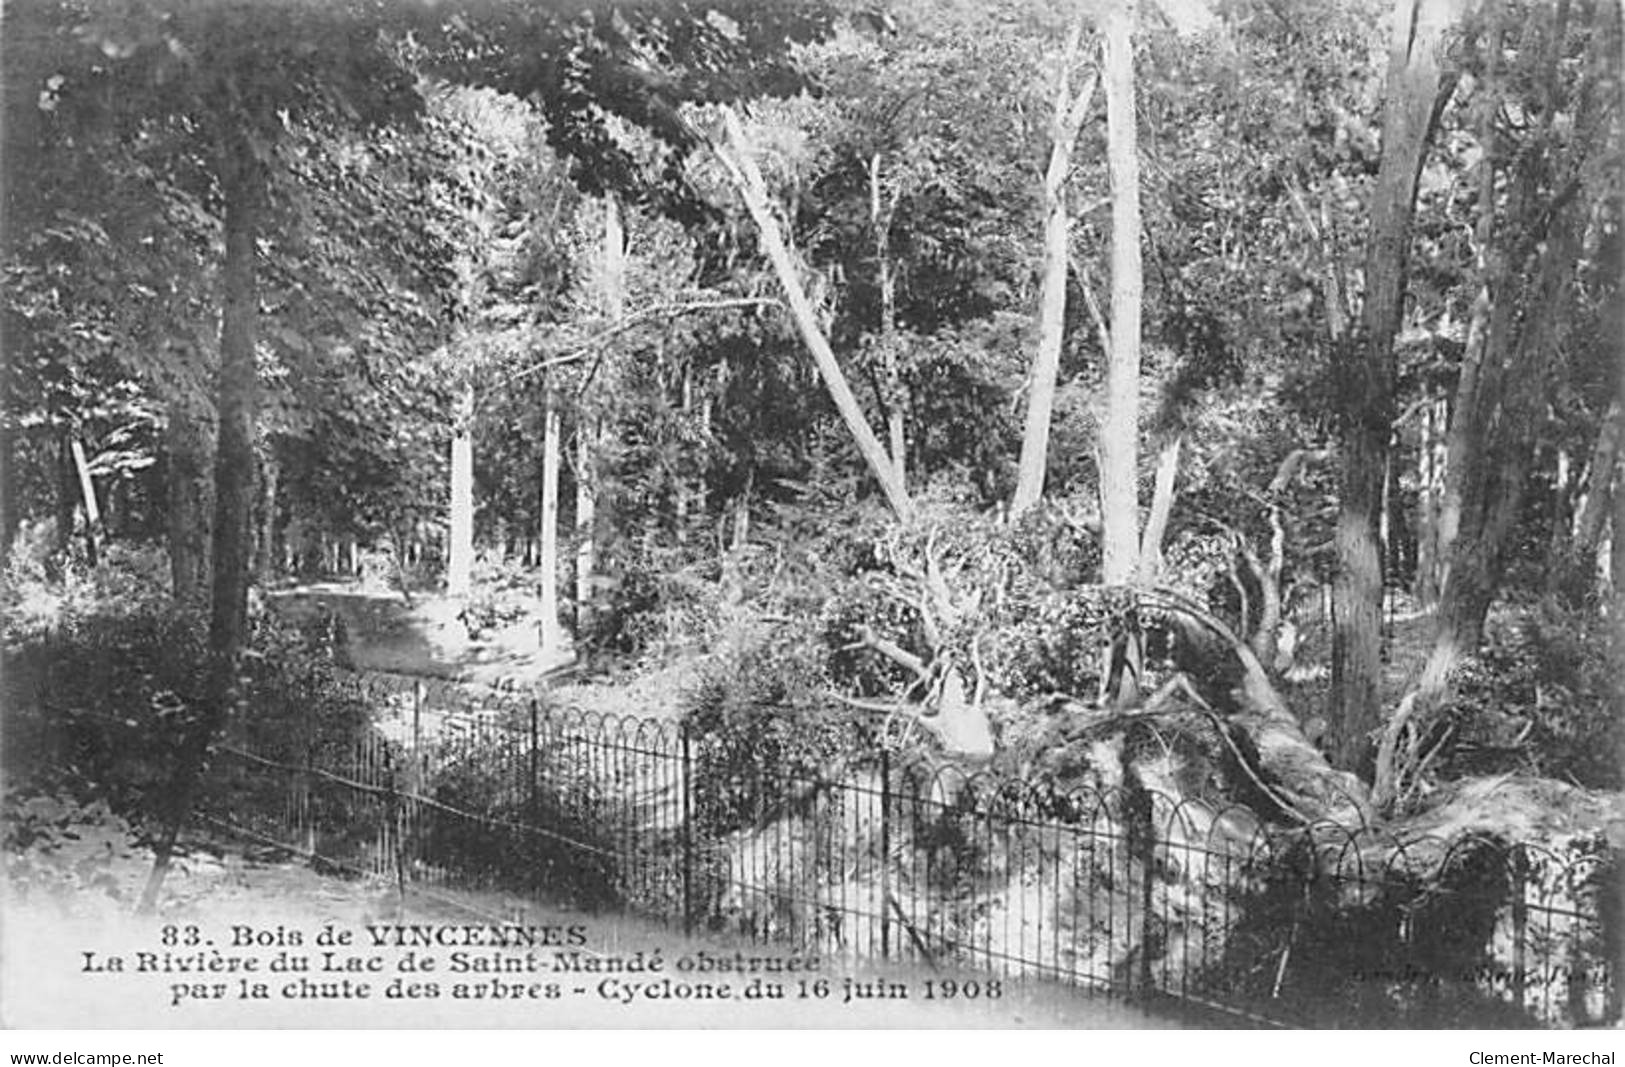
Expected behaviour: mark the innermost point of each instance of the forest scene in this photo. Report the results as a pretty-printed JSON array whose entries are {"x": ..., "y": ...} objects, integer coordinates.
[{"x": 1187, "y": 426}]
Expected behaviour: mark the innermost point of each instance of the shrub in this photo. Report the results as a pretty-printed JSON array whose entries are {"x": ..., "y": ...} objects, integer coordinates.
[
  {"x": 128, "y": 580},
  {"x": 1554, "y": 677},
  {"x": 649, "y": 611},
  {"x": 760, "y": 719},
  {"x": 102, "y": 689}
]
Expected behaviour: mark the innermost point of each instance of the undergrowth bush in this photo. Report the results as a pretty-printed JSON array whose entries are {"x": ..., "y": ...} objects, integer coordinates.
[
  {"x": 652, "y": 612},
  {"x": 1543, "y": 696},
  {"x": 57, "y": 846},
  {"x": 103, "y": 679},
  {"x": 36, "y": 597},
  {"x": 761, "y": 717}
]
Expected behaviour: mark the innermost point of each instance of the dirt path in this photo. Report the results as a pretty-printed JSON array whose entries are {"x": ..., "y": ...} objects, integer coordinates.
[
  {"x": 245, "y": 920},
  {"x": 385, "y": 632}
]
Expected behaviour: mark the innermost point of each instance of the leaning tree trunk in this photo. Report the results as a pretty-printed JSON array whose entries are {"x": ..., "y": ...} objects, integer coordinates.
[
  {"x": 747, "y": 180},
  {"x": 1065, "y": 121},
  {"x": 87, "y": 498},
  {"x": 551, "y": 635},
  {"x": 1415, "y": 89},
  {"x": 243, "y": 182}
]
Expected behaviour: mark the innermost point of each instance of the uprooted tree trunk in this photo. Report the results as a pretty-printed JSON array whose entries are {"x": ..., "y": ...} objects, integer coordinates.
[
  {"x": 938, "y": 699},
  {"x": 1292, "y": 769}
]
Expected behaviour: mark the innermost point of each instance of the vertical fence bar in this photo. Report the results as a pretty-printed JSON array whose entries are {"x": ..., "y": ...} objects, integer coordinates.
[
  {"x": 686, "y": 814},
  {"x": 535, "y": 756},
  {"x": 885, "y": 853}
]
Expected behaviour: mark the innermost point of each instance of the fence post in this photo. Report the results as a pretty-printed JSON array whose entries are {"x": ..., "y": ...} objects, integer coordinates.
[
  {"x": 885, "y": 853},
  {"x": 1142, "y": 841},
  {"x": 1520, "y": 923},
  {"x": 304, "y": 811},
  {"x": 684, "y": 799}
]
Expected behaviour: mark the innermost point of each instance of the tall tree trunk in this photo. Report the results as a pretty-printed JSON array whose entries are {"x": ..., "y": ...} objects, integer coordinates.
[
  {"x": 1120, "y": 423},
  {"x": 612, "y": 285},
  {"x": 1065, "y": 121},
  {"x": 189, "y": 442},
  {"x": 460, "y": 549},
  {"x": 552, "y": 635},
  {"x": 882, "y": 209},
  {"x": 1498, "y": 450},
  {"x": 747, "y": 180},
  {"x": 1119, "y": 441},
  {"x": 1592, "y": 512},
  {"x": 1415, "y": 89},
  {"x": 243, "y": 182}
]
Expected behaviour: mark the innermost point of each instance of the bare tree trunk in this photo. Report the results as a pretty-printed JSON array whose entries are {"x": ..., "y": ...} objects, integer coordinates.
[
  {"x": 552, "y": 635},
  {"x": 1120, "y": 425},
  {"x": 460, "y": 549},
  {"x": 1162, "y": 508},
  {"x": 882, "y": 209},
  {"x": 1065, "y": 121},
  {"x": 612, "y": 285},
  {"x": 736, "y": 158},
  {"x": 1592, "y": 512},
  {"x": 1415, "y": 89},
  {"x": 1492, "y": 475}
]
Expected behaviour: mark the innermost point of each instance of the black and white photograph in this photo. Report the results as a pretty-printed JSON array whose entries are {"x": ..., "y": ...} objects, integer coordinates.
[{"x": 824, "y": 515}]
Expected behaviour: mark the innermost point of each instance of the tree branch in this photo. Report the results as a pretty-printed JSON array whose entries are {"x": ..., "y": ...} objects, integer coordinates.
[{"x": 597, "y": 342}]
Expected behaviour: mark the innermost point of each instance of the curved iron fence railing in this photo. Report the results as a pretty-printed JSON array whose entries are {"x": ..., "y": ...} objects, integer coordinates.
[{"x": 1118, "y": 891}]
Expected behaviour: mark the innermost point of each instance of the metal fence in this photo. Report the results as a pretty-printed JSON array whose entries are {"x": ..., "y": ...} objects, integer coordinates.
[{"x": 881, "y": 858}]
